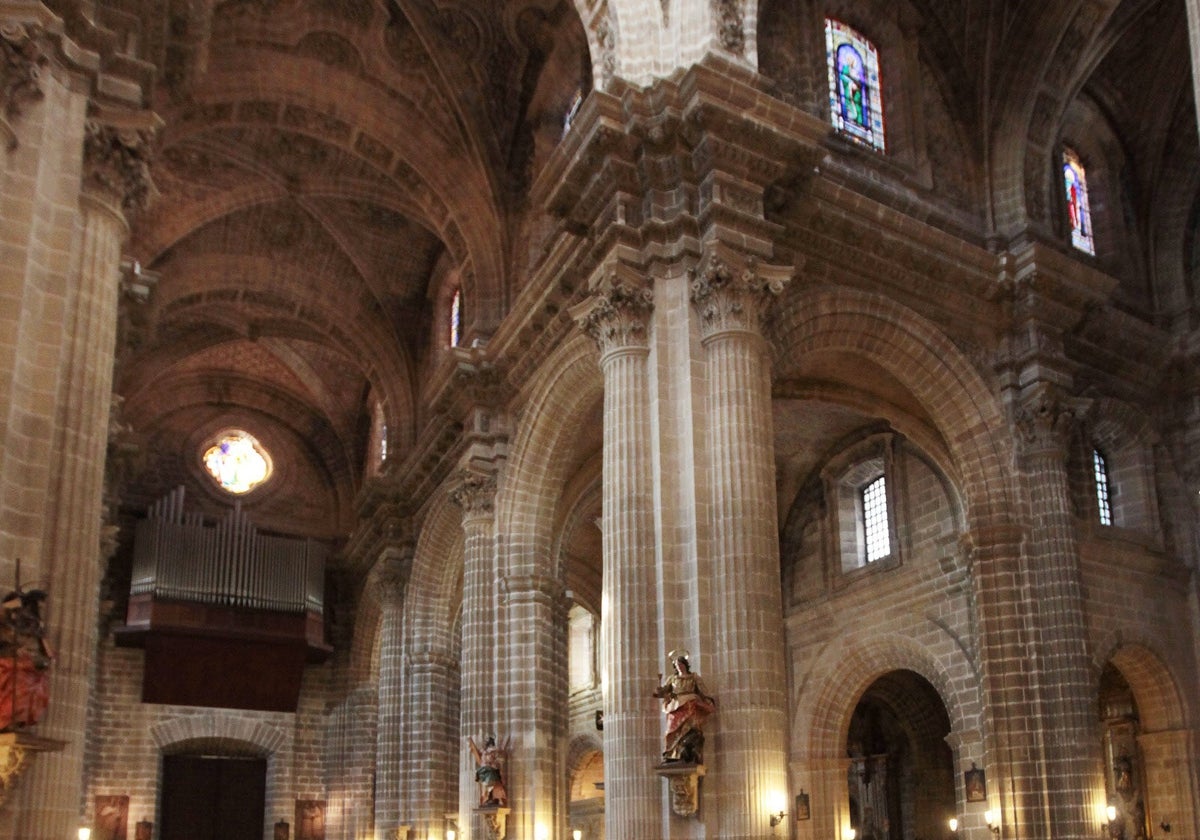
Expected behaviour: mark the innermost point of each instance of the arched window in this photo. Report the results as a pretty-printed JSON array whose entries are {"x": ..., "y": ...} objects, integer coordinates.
[
  {"x": 855, "y": 101},
  {"x": 1078, "y": 212},
  {"x": 379, "y": 434},
  {"x": 236, "y": 461},
  {"x": 1103, "y": 501},
  {"x": 456, "y": 318},
  {"x": 876, "y": 539}
]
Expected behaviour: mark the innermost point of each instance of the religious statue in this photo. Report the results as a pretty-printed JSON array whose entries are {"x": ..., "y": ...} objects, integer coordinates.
[
  {"x": 687, "y": 706},
  {"x": 489, "y": 773},
  {"x": 25, "y": 658}
]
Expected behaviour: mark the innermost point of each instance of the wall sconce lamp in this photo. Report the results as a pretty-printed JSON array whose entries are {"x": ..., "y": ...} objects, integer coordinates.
[
  {"x": 577, "y": 835},
  {"x": 777, "y": 818},
  {"x": 451, "y": 834},
  {"x": 993, "y": 821},
  {"x": 849, "y": 834},
  {"x": 84, "y": 834},
  {"x": 953, "y": 824}
]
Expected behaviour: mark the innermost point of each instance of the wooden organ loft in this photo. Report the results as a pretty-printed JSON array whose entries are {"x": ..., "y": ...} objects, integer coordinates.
[{"x": 228, "y": 617}]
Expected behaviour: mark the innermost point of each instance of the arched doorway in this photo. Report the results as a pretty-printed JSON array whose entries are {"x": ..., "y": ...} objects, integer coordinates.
[
  {"x": 901, "y": 771},
  {"x": 1124, "y": 764},
  {"x": 213, "y": 797}
]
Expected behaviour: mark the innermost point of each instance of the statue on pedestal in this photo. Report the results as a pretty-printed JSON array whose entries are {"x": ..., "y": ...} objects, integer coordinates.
[{"x": 687, "y": 706}]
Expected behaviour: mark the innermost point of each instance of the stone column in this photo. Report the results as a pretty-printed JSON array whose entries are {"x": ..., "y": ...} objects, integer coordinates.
[
  {"x": 618, "y": 321},
  {"x": 389, "y": 579},
  {"x": 116, "y": 180},
  {"x": 1066, "y": 694},
  {"x": 430, "y": 727},
  {"x": 476, "y": 495},
  {"x": 746, "y": 670}
]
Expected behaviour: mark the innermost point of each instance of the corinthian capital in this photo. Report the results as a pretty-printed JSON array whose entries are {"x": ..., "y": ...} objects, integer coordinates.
[
  {"x": 618, "y": 316},
  {"x": 21, "y": 61},
  {"x": 116, "y": 162},
  {"x": 475, "y": 493},
  {"x": 1046, "y": 418},
  {"x": 735, "y": 299}
]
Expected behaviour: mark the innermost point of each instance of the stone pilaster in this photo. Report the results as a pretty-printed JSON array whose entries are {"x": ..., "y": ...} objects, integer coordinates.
[
  {"x": 476, "y": 495},
  {"x": 389, "y": 579},
  {"x": 1193, "y": 17},
  {"x": 746, "y": 670},
  {"x": 618, "y": 321},
  {"x": 116, "y": 180},
  {"x": 1045, "y": 419}
]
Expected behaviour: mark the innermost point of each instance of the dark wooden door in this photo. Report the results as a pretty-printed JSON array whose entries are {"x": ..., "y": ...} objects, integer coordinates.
[{"x": 213, "y": 798}]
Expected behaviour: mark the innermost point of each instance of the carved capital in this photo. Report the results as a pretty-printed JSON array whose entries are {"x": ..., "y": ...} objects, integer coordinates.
[
  {"x": 390, "y": 574},
  {"x": 730, "y": 299},
  {"x": 1045, "y": 419},
  {"x": 475, "y": 494},
  {"x": 21, "y": 62},
  {"x": 728, "y": 20},
  {"x": 619, "y": 315},
  {"x": 116, "y": 163}
]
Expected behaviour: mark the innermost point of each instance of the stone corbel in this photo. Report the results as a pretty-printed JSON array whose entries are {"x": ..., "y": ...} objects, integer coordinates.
[
  {"x": 496, "y": 820},
  {"x": 684, "y": 780},
  {"x": 16, "y": 749}
]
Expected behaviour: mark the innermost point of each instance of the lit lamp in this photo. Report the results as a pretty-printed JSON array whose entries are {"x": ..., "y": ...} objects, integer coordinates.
[
  {"x": 953, "y": 823},
  {"x": 577, "y": 835},
  {"x": 993, "y": 820},
  {"x": 84, "y": 834},
  {"x": 849, "y": 834},
  {"x": 451, "y": 834}
]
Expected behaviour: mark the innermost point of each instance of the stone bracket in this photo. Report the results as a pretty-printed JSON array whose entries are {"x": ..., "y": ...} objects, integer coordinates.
[
  {"x": 496, "y": 820},
  {"x": 684, "y": 780},
  {"x": 16, "y": 748}
]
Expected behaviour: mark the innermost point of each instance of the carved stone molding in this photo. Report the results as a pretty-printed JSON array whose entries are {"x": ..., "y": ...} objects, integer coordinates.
[
  {"x": 117, "y": 164},
  {"x": 475, "y": 494},
  {"x": 618, "y": 317},
  {"x": 21, "y": 62},
  {"x": 684, "y": 780},
  {"x": 730, "y": 299}
]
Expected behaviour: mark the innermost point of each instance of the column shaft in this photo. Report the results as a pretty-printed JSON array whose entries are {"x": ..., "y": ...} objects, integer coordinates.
[
  {"x": 73, "y": 524},
  {"x": 747, "y": 671},
  {"x": 390, "y": 579},
  {"x": 629, "y": 639}
]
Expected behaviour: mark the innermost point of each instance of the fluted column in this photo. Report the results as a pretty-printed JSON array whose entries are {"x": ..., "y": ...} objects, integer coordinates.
[
  {"x": 476, "y": 495},
  {"x": 618, "y": 322},
  {"x": 389, "y": 579},
  {"x": 117, "y": 180},
  {"x": 746, "y": 670},
  {"x": 1073, "y": 764}
]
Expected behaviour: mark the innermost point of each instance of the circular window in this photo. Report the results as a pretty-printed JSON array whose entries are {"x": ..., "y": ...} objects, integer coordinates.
[{"x": 236, "y": 461}]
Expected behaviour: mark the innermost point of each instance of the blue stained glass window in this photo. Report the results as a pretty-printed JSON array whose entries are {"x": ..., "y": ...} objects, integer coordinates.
[
  {"x": 855, "y": 100},
  {"x": 1078, "y": 211},
  {"x": 456, "y": 318},
  {"x": 237, "y": 462}
]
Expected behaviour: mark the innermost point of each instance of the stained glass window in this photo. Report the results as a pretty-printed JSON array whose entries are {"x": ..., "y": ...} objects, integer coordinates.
[
  {"x": 1100, "y": 471},
  {"x": 875, "y": 520},
  {"x": 456, "y": 318},
  {"x": 1078, "y": 212},
  {"x": 855, "y": 101},
  {"x": 237, "y": 462}
]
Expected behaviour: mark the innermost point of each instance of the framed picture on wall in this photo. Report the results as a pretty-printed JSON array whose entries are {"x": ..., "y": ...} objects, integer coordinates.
[
  {"x": 975, "y": 784},
  {"x": 310, "y": 819},
  {"x": 112, "y": 818},
  {"x": 802, "y": 807}
]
